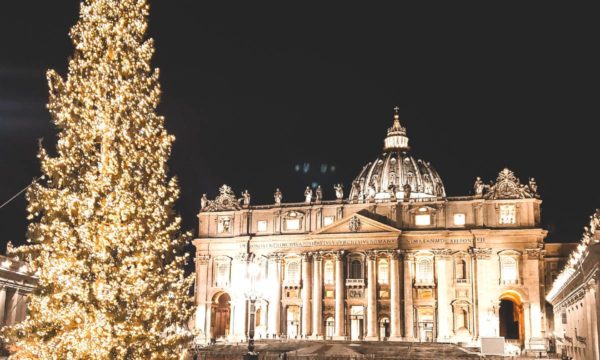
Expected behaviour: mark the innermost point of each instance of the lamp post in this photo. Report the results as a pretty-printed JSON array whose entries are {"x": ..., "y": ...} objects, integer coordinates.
[{"x": 252, "y": 294}]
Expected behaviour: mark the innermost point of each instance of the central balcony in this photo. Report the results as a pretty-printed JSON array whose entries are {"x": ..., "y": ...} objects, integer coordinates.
[{"x": 355, "y": 283}]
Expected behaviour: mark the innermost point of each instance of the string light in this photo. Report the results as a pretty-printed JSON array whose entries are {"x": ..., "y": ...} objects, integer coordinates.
[{"x": 103, "y": 235}]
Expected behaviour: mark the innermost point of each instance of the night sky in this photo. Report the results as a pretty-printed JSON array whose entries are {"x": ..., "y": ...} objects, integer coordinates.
[{"x": 255, "y": 92}]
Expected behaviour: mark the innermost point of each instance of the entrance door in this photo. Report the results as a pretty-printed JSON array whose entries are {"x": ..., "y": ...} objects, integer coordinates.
[
  {"x": 357, "y": 317},
  {"x": 220, "y": 316},
  {"x": 425, "y": 323},
  {"x": 510, "y": 320},
  {"x": 293, "y": 321}
]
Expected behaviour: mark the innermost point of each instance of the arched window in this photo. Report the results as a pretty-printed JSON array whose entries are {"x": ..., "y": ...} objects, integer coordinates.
[
  {"x": 509, "y": 269},
  {"x": 383, "y": 272},
  {"x": 425, "y": 270},
  {"x": 222, "y": 274},
  {"x": 461, "y": 270},
  {"x": 356, "y": 269},
  {"x": 293, "y": 271},
  {"x": 328, "y": 272}
]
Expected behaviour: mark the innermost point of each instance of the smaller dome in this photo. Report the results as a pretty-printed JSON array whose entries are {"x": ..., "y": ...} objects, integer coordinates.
[{"x": 395, "y": 169}]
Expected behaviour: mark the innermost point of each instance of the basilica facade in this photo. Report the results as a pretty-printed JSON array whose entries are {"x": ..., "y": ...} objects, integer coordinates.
[{"x": 395, "y": 259}]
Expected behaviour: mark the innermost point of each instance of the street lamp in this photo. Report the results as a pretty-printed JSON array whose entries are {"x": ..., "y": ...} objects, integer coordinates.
[{"x": 252, "y": 294}]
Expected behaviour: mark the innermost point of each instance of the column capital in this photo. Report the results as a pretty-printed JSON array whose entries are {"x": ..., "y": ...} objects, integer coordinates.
[
  {"x": 277, "y": 257},
  {"x": 372, "y": 254},
  {"x": 442, "y": 253},
  {"x": 407, "y": 255},
  {"x": 317, "y": 256},
  {"x": 202, "y": 259},
  {"x": 480, "y": 253},
  {"x": 533, "y": 254},
  {"x": 306, "y": 257},
  {"x": 339, "y": 255}
]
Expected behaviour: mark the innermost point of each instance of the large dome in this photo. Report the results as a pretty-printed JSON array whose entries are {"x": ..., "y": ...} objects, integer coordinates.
[{"x": 395, "y": 169}]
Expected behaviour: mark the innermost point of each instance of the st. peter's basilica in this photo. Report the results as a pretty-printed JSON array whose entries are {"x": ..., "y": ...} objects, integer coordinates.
[{"x": 395, "y": 259}]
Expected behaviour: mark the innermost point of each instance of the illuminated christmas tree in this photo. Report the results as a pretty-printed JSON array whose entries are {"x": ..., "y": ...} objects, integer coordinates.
[{"x": 104, "y": 236}]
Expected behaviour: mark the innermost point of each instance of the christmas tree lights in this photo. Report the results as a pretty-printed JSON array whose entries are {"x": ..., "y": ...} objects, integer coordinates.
[{"x": 104, "y": 237}]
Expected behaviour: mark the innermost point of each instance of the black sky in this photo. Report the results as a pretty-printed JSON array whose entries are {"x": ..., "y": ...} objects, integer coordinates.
[{"x": 250, "y": 91}]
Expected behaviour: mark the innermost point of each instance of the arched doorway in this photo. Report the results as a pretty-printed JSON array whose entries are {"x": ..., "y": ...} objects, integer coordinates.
[
  {"x": 510, "y": 316},
  {"x": 221, "y": 310}
]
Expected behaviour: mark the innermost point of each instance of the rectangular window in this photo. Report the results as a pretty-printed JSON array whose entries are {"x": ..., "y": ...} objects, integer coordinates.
[
  {"x": 507, "y": 215},
  {"x": 329, "y": 293},
  {"x": 292, "y": 224},
  {"x": 328, "y": 220},
  {"x": 261, "y": 226},
  {"x": 224, "y": 224},
  {"x": 423, "y": 220},
  {"x": 459, "y": 219}
]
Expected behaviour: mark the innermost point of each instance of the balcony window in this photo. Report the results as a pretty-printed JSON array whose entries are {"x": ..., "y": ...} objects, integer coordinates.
[
  {"x": 356, "y": 269},
  {"x": 292, "y": 274},
  {"x": 425, "y": 270}
]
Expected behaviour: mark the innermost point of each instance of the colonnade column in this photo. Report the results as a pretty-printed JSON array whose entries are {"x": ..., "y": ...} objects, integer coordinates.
[
  {"x": 340, "y": 317},
  {"x": 275, "y": 300},
  {"x": 371, "y": 297},
  {"x": 317, "y": 306},
  {"x": 306, "y": 289},
  {"x": 409, "y": 334},
  {"x": 2, "y": 304},
  {"x": 394, "y": 298}
]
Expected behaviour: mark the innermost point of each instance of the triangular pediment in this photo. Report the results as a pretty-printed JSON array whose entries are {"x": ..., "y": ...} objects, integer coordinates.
[{"x": 357, "y": 223}]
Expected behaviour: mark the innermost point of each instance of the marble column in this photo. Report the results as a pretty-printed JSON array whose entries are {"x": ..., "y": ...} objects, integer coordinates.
[
  {"x": 317, "y": 306},
  {"x": 409, "y": 260},
  {"x": 340, "y": 324},
  {"x": 306, "y": 290},
  {"x": 371, "y": 297},
  {"x": 2, "y": 304},
  {"x": 395, "y": 333},
  {"x": 275, "y": 299},
  {"x": 443, "y": 303}
]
